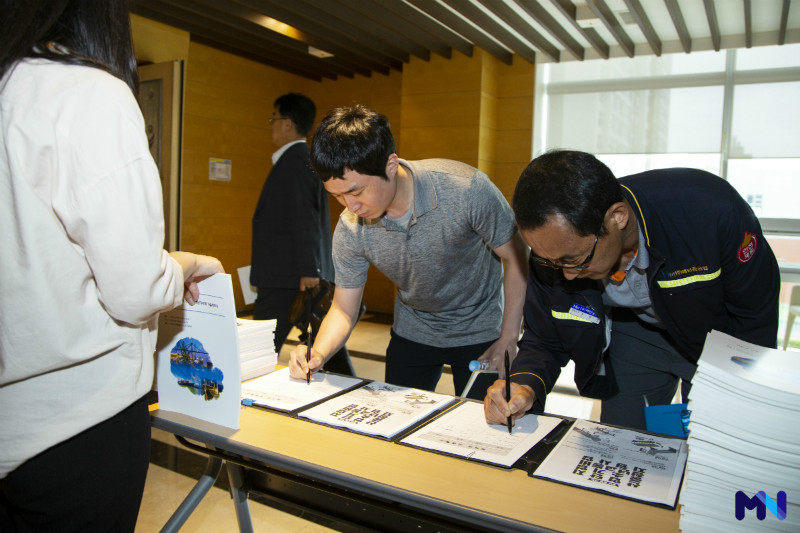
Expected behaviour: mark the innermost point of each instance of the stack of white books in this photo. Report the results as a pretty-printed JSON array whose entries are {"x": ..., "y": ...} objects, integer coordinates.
[
  {"x": 743, "y": 468},
  {"x": 256, "y": 347}
]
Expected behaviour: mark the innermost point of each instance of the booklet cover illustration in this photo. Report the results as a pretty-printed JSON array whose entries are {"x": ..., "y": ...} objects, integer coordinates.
[{"x": 191, "y": 365}]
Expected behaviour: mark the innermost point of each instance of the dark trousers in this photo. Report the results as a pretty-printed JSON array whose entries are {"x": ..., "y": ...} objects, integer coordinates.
[
  {"x": 646, "y": 365},
  {"x": 411, "y": 364},
  {"x": 275, "y": 303},
  {"x": 91, "y": 482}
]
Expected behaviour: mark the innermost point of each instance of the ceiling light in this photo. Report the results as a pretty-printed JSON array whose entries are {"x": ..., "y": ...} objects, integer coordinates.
[{"x": 316, "y": 52}]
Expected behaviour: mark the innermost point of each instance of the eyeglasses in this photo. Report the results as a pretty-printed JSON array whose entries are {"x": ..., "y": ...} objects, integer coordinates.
[
  {"x": 583, "y": 266},
  {"x": 273, "y": 119}
]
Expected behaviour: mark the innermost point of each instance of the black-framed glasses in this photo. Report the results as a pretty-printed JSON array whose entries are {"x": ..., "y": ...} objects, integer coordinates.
[
  {"x": 582, "y": 266},
  {"x": 273, "y": 119}
]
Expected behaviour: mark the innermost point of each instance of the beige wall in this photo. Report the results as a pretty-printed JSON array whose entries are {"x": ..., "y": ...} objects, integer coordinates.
[{"x": 473, "y": 109}]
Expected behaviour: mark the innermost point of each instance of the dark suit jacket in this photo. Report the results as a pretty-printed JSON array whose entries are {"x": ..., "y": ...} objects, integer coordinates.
[{"x": 291, "y": 225}]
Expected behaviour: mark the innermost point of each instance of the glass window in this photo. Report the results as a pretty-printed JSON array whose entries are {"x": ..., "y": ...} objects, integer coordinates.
[
  {"x": 637, "y": 122},
  {"x": 766, "y": 120},
  {"x": 770, "y": 186},
  {"x": 637, "y": 67},
  {"x": 761, "y": 57},
  {"x": 637, "y": 114},
  {"x": 627, "y": 164}
]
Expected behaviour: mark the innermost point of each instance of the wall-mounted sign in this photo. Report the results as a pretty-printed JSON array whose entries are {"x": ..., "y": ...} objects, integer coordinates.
[{"x": 219, "y": 169}]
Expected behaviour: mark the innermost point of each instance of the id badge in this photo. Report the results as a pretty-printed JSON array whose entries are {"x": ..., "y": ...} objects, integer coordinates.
[{"x": 585, "y": 313}]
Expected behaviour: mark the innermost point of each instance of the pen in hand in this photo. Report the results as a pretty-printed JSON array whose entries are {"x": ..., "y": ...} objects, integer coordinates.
[
  {"x": 508, "y": 389},
  {"x": 308, "y": 354},
  {"x": 308, "y": 340}
]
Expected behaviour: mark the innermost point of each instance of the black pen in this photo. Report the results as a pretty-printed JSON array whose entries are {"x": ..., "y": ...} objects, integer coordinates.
[
  {"x": 308, "y": 340},
  {"x": 308, "y": 354},
  {"x": 508, "y": 390}
]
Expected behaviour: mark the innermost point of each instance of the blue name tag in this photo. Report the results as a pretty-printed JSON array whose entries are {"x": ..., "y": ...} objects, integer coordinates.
[{"x": 584, "y": 312}]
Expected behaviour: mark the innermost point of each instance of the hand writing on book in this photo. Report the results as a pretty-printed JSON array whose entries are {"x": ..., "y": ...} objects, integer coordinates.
[
  {"x": 497, "y": 410},
  {"x": 298, "y": 368}
]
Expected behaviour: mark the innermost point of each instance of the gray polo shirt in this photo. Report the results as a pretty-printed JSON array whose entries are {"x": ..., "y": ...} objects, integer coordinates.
[
  {"x": 449, "y": 283},
  {"x": 633, "y": 291}
]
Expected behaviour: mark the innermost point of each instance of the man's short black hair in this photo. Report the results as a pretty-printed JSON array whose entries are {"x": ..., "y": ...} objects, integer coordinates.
[
  {"x": 355, "y": 138},
  {"x": 573, "y": 184},
  {"x": 300, "y": 109}
]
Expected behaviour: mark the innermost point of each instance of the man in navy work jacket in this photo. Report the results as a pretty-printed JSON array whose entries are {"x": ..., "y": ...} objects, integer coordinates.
[{"x": 626, "y": 279}]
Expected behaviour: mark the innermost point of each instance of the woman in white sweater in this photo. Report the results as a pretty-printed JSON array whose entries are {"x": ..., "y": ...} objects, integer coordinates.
[{"x": 83, "y": 272}]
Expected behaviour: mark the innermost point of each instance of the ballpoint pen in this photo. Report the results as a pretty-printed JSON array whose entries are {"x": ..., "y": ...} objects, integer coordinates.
[
  {"x": 308, "y": 354},
  {"x": 508, "y": 390},
  {"x": 308, "y": 339}
]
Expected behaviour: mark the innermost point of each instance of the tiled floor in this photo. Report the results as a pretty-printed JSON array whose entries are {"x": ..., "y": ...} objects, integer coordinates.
[{"x": 174, "y": 470}]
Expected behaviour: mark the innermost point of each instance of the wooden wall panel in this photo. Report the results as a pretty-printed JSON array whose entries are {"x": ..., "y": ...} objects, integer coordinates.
[
  {"x": 472, "y": 109},
  {"x": 228, "y": 101},
  {"x": 155, "y": 42}
]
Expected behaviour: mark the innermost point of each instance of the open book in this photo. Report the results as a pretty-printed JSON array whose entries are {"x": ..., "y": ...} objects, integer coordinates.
[
  {"x": 623, "y": 462},
  {"x": 462, "y": 431},
  {"x": 281, "y": 392},
  {"x": 378, "y": 409}
]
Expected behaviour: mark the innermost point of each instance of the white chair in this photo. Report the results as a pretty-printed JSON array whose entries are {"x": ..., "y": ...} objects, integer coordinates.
[{"x": 794, "y": 312}]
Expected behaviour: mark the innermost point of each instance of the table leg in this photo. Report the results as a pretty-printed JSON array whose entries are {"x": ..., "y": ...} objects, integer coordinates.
[
  {"x": 197, "y": 493},
  {"x": 239, "y": 495}
]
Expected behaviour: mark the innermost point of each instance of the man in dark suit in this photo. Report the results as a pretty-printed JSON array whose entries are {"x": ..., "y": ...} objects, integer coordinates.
[{"x": 291, "y": 225}]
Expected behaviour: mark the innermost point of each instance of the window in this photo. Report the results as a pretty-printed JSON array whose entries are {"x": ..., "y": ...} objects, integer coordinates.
[{"x": 674, "y": 110}]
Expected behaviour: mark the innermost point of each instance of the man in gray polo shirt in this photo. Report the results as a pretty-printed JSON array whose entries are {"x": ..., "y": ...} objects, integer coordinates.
[{"x": 441, "y": 231}]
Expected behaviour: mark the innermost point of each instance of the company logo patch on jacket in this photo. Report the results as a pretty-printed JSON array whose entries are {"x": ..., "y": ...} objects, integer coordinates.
[{"x": 748, "y": 248}]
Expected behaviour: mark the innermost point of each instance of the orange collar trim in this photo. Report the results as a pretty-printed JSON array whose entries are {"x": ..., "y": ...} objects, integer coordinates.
[{"x": 619, "y": 275}]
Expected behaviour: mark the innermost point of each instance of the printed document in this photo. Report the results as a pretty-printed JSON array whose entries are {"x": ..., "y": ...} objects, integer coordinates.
[
  {"x": 625, "y": 462},
  {"x": 378, "y": 409},
  {"x": 463, "y": 431},
  {"x": 279, "y": 391}
]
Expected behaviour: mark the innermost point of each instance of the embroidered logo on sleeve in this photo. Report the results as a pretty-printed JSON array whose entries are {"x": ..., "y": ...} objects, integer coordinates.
[{"x": 748, "y": 248}]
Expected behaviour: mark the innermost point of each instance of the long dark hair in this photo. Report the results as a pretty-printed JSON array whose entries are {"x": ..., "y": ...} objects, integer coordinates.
[{"x": 96, "y": 33}]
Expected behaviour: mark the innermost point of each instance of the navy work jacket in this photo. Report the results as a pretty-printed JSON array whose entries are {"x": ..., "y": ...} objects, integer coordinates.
[{"x": 710, "y": 268}]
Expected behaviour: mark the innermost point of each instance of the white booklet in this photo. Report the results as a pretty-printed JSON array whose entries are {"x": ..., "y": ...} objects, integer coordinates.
[
  {"x": 463, "y": 431},
  {"x": 625, "y": 462},
  {"x": 280, "y": 391},
  {"x": 198, "y": 356},
  {"x": 378, "y": 408}
]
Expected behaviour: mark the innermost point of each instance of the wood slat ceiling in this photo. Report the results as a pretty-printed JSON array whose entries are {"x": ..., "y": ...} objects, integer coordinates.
[{"x": 366, "y": 36}]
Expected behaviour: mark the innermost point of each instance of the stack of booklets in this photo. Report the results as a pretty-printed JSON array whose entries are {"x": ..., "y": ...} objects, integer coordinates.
[
  {"x": 256, "y": 347},
  {"x": 744, "y": 435}
]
